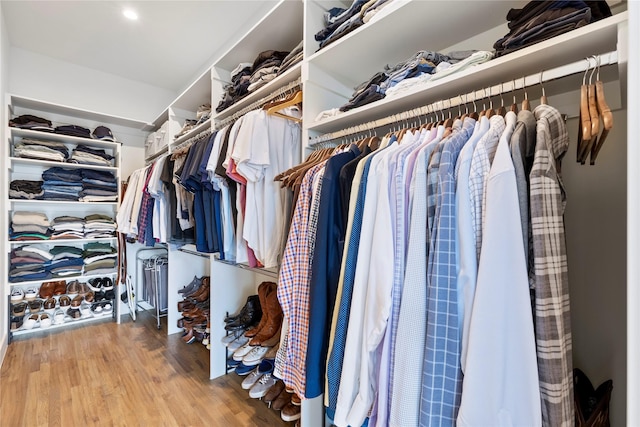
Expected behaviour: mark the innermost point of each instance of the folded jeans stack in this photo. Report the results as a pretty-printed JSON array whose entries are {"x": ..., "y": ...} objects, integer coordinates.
[
  {"x": 29, "y": 226},
  {"x": 99, "y": 258},
  {"x": 24, "y": 189},
  {"x": 539, "y": 21},
  {"x": 30, "y": 148},
  {"x": 30, "y": 262},
  {"x": 67, "y": 227},
  {"x": 31, "y": 122},
  {"x": 91, "y": 156},
  {"x": 66, "y": 261},
  {"x": 98, "y": 186},
  {"x": 62, "y": 184},
  {"x": 98, "y": 226}
]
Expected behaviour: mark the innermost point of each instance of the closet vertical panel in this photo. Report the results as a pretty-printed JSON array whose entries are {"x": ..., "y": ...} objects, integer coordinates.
[
  {"x": 596, "y": 246},
  {"x": 4, "y": 223},
  {"x": 633, "y": 218},
  {"x": 183, "y": 267}
]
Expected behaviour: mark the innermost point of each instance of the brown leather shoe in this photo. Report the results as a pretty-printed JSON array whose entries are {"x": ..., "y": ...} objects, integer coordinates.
[
  {"x": 185, "y": 305},
  {"x": 76, "y": 301},
  {"x": 274, "y": 392},
  {"x": 65, "y": 302},
  {"x": 83, "y": 289},
  {"x": 60, "y": 287},
  {"x": 271, "y": 354},
  {"x": 46, "y": 289},
  {"x": 281, "y": 401},
  {"x": 264, "y": 289},
  {"x": 50, "y": 304},
  {"x": 295, "y": 399},
  {"x": 290, "y": 412},
  {"x": 73, "y": 288},
  {"x": 274, "y": 340},
  {"x": 89, "y": 297},
  {"x": 274, "y": 322},
  {"x": 203, "y": 292}
]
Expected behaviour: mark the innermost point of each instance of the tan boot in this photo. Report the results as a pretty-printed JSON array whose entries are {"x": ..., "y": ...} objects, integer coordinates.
[
  {"x": 274, "y": 322},
  {"x": 264, "y": 289}
]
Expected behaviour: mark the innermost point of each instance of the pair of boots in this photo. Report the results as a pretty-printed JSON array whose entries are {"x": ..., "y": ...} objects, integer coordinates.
[
  {"x": 195, "y": 292},
  {"x": 271, "y": 322},
  {"x": 591, "y": 405}
]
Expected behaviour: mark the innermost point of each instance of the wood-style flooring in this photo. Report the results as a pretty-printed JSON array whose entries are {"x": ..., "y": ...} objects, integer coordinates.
[{"x": 132, "y": 374}]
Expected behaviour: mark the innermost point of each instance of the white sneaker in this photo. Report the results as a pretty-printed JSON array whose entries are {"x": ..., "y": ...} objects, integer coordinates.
[
  {"x": 239, "y": 342},
  {"x": 45, "y": 320},
  {"x": 251, "y": 379},
  {"x": 255, "y": 356},
  {"x": 262, "y": 387},
  {"x": 240, "y": 353},
  {"x": 58, "y": 317},
  {"x": 17, "y": 295},
  {"x": 227, "y": 339},
  {"x": 31, "y": 322},
  {"x": 31, "y": 294}
]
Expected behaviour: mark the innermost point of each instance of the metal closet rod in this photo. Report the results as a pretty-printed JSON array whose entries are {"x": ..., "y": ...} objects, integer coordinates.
[
  {"x": 259, "y": 103},
  {"x": 446, "y": 104},
  {"x": 205, "y": 133}
]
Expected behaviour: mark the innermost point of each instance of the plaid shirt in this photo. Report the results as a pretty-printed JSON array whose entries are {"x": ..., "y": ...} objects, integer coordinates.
[
  {"x": 442, "y": 376},
  {"x": 480, "y": 166},
  {"x": 552, "y": 317},
  {"x": 146, "y": 207},
  {"x": 293, "y": 284}
]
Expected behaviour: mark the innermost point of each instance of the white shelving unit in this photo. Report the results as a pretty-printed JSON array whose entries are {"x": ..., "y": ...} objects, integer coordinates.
[{"x": 124, "y": 130}]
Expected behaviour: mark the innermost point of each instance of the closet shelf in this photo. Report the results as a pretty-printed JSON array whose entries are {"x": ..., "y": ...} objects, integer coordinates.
[
  {"x": 592, "y": 39},
  {"x": 270, "y": 272},
  {"x": 48, "y": 136},
  {"x": 59, "y": 109},
  {"x": 83, "y": 277},
  {"x": 48, "y": 163},
  {"x": 67, "y": 323},
  {"x": 287, "y": 77},
  {"x": 57, "y": 202},
  {"x": 349, "y": 57},
  {"x": 193, "y": 132},
  {"x": 62, "y": 241}
]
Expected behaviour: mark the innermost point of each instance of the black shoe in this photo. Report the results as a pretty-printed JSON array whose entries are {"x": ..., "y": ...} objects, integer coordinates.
[
  {"x": 252, "y": 302},
  {"x": 124, "y": 297},
  {"x": 247, "y": 319},
  {"x": 109, "y": 295}
]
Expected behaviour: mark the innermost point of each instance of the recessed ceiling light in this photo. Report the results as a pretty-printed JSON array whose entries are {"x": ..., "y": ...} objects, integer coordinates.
[{"x": 130, "y": 14}]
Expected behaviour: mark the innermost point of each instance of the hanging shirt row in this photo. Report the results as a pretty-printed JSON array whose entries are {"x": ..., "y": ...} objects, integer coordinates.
[
  {"x": 219, "y": 191},
  {"x": 424, "y": 282}
]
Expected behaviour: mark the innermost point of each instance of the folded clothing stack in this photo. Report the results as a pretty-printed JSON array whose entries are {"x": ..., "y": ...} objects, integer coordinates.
[
  {"x": 73, "y": 130},
  {"x": 98, "y": 186},
  {"x": 238, "y": 88},
  {"x": 292, "y": 59},
  {"x": 62, "y": 184},
  {"x": 67, "y": 227},
  {"x": 99, "y": 258},
  {"x": 97, "y": 226},
  {"x": 29, "y": 226},
  {"x": 30, "y": 148},
  {"x": 30, "y": 262},
  {"x": 24, "y": 189},
  {"x": 66, "y": 261},
  {"x": 91, "y": 156},
  {"x": 542, "y": 20},
  {"x": 339, "y": 22},
  {"x": 265, "y": 68},
  {"x": 31, "y": 122}
]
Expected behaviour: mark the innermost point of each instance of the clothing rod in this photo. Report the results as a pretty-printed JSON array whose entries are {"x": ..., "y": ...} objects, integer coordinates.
[
  {"x": 190, "y": 252},
  {"x": 577, "y": 67},
  {"x": 258, "y": 104},
  {"x": 205, "y": 133},
  {"x": 157, "y": 155}
]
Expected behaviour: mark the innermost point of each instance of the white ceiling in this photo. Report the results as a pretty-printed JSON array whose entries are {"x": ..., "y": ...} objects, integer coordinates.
[{"x": 170, "y": 44}]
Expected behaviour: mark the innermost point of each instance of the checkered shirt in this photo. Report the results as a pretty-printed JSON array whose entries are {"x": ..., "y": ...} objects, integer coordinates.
[{"x": 552, "y": 317}]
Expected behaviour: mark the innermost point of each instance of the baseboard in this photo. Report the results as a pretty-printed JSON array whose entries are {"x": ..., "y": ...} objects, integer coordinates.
[{"x": 4, "y": 345}]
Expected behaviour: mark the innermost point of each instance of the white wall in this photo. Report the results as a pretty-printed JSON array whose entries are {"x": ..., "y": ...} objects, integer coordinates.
[
  {"x": 4, "y": 78},
  {"x": 44, "y": 78}
]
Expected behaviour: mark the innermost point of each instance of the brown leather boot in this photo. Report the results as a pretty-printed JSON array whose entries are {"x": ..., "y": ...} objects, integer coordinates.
[
  {"x": 263, "y": 290},
  {"x": 202, "y": 296},
  {"x": 204, "y": 287},
  {"x": 274, "y": 319}
]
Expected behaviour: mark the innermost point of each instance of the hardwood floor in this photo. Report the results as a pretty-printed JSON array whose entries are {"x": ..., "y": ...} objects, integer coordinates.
[{"x": 128, "y": 375}]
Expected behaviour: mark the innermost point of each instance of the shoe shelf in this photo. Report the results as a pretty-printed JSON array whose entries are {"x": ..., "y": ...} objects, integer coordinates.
[
  {"x": 193, "y": 132},
  {"x": 49, "y": 163},
  {"x": 61, "y": 241},
  {"x": 82, "y": 277},
  {"x": 96, "y": 143},
  {"x": 68, "y": 321}
]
